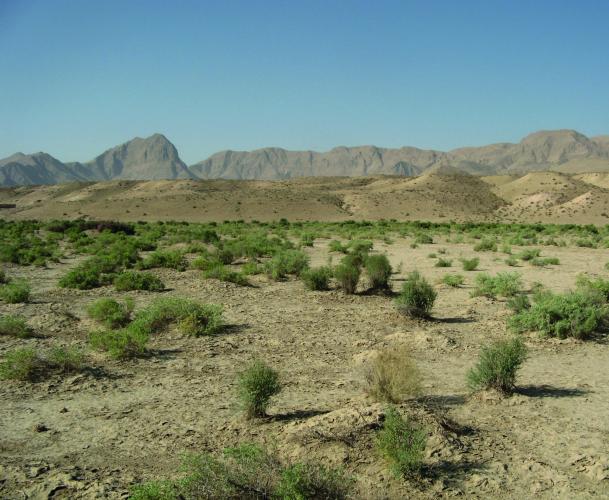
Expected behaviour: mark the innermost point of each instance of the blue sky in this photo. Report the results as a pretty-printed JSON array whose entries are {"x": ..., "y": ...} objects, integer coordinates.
[{"x": 79, "y": 76}]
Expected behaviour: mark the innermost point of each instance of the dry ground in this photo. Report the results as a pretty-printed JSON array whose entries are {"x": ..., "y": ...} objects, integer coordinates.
[{"x": 124, "y": 422}]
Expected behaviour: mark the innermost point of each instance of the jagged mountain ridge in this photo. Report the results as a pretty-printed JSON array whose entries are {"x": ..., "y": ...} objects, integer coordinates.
[{"x": 156, "y": 158}]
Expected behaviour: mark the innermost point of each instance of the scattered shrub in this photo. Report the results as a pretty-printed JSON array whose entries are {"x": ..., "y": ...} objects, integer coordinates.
[
  {"x": 392, "y": 375},
  {"x": 304, "y": 481},
  {"x": 337, "y": 246},
  {"x": 15, "y": 292},
  {"x": 378, "y": 270},
  {"x": 454, "y": 280},
  {"x": 401, "y": 443},
  {"x": 486, "y": 245},
  {"x": 470, "y": 264},
  {"x": 250, "y": 269},
  {"x": 317, "y": 278},
  {"x": 257, "y": 384},
  {"x": 519, "y": 303},
  {"x": 443, "y": 263},
  {"x": 502, "y": 284},
  {"x": 172, "y": 259},
  {"x": 529, "y": 254},
  {"x": 347, "y": 275},
  {"x": 110, "y": 313},
  {"x": 134, "y": 280},
  {"x": 511, "y": 261},
  {"x": 21, "y": 364},
  {"x": 222, "y": 273},
  {"x": 497, "y": 366},
  {"x": 417, "y": 296},
  {"x": 287, "y": 262},
  {"x": 15, "y": 326},
  {"x": 66, "y": 359},
  {"x": 423, "y": 239}
]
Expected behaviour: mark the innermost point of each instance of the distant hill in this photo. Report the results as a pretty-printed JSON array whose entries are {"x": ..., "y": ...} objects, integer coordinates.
[{"x": 156, "y": 158}]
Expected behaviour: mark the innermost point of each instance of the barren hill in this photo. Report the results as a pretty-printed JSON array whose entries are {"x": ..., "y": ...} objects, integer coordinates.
[{"x": 155, "y": 158}]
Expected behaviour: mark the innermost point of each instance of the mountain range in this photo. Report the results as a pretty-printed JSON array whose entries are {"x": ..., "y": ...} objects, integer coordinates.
[{"x": 156, "y": 158}]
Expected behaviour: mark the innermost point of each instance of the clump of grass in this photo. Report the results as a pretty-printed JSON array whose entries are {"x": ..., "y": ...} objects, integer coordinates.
[
  {"x": 337, "y": 246},
  {"x": 172, "y": 259},
  {"x": 511, "y": 261},
  {"x": 519, "y": 303},
  {"x": 401, "y": 443},
  {"x": 573, "y": 314},
  {"x": 423, "y": 239},
  {"x": 134, "y": 280},
  {"x": 251, "y": 269},
  {"x": 121, "y": 344},
  {"x": 544, "y": 261},
  {"x": 347, "y": 275},
  {"x": 21, "y": 364},
  {"x": 443, "y": 263},
  {"x": 15, "y": 292},
  {"x": 15, "y": 326},
  {"x": 502, "y": 284},
  {"x": 287, "y": 262},
  {"x": 257, "y": 384},
  {"x": 529, "y": 254},
  {"x": 378, "y": 270},
  {"x": 417, "y": 296},
  {"x": 317, "y": 278},
  {"x": 392, "y": 375},
  {"x": 454, "y": 280},
  {"x": 222, "y": 273},
  {"x": 497, "y": 366},
  {"x": 111, "y": 313},
  {"x": 302, "y": 481},
  {"x": 486, "y": 245},
  {"x": 66, "y": 359},
  {"x": 470, "y": 264}
]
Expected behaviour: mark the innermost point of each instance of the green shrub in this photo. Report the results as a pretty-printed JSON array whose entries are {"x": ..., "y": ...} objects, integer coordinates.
[
  {"x": 454, "y": 280},
  {"x": 416, "y": 297},
  {"x": 337, "y": 246},
  {"x": 443, "y": 263},
  {"x": 134, "y": 280},
  {"x": 529, "y": 254},
  {"x": 378, "y": 270},
  {"x": 347, "y": 276},
  {"x": 21, "y": 364},
  {"x": 486, "y": 245},
  {"x": 307, "y": 240},
  {"x": 121, "y": 344},
  {"x": 203, "y": 263},
  {"x": 502, "y": 284},
  {"x": 66, "y": 359},
  {"x": 470, "y": 264},
  {"x": 172, "y": 259},
  {"x": 544, "y": 261},
  {"x": 250, "y": 269},
  {"x": 287, "y": 262},
  {"x": 401, "y": 443},
  {"x": 506, "y": 249},
  {"x": 392, "y": 375},
  {"x": 432, "y": 255},
  {"x": 511, "y": 261},
  {"x": 257, "y": 384},
  {"x": 154, "y": 490},
  {"x": 360, "y": 246},
  {"x": 110, "y": 313},
  {"x": 3, "y": 277},
  {"x": 519, "y": 303},
  {"x": 317, "y": 278},
  {"x": 497, "y": 366},
  {"x": 15, "y": 292},
  {"x": 423, "y": 239},
  {"x": 83, "y": 278},
  {"x": 573, "y": 314},
  {"x": 15, "y": 326},
  {"x": 222, "y": 273},
  {"x": 312, "y": 481}
]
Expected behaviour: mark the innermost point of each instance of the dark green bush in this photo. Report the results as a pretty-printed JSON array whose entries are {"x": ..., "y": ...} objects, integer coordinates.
[
  {"x": 222, "y": 273},
  {"x": 15, "y": 292},
  {"x": 15, "y": 326},
  {"x": 257, "y": 384},
  {"x": 172, "y": 259},
  {"x": 287, "y": 262},
  {"x": 454, "y": 280},
  {"x": 486, "y": 245},
  {"x": 21, "y": 364},
  {"x": 347, "y": 276},
  {"x": 378, "y": 270},
  {"x": 134, "y": 280},
  {"x": 337, "y": 246},
  {"x": 470, "y": 264},
  {"x": 443, "y": 263},
  {"x": 110, "y": 313},
  {"x": 317, "y": 278},
  {"x": 498, "y": 365},
  {"x": 502, "y": 284},
  {"x": 416, "y": 297}
]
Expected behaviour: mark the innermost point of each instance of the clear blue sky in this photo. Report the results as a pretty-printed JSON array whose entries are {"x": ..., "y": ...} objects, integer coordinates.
[{"x": 77, "y": 77}]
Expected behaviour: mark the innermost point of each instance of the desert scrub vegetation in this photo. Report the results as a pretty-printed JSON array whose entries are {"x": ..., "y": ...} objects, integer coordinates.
[
  {"x": 190, "y": 317},
  {"x": 15, "y": 326},
  {"x": 135, "y": 280},
  {"x": 111, "y": 313},
  {"x": 337, "y": 246},
  {"x": 222, "y": 273},
  {"x": 573, "y": 314},
  {"x": 256, "y": 385},
  {"x": 486, "y": 245},
  {"x": 498, "y": 365},
  {"x": 172, "y": 259},
  {"x": 417, "y": 296},
  {"x": 392, "y": 375},
  {"x": 247, "y": 471},
  {"x": 453, "y": 280},
  {"x": 502, "y": 285},
  {"x": 470, "y": 264},
  {"x": 402, "y": 443},
  {"x": 317, "y": 278},
  {"x": 529, "y": 254},
  {"x": 378, "y": 269},
  {"x": 443, "y": 263},
  {"x": 15, "y": 292},
  {"x": 347, "y": 274},
  {"x": 27, "y": 364},
  {"x": 287, "y": 262}
]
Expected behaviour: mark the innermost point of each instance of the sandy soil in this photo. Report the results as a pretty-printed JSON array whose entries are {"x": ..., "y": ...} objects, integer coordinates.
[{"x": 123, "y": 422}]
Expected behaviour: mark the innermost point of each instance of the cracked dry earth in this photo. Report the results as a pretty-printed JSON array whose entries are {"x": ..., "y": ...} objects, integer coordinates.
[{"x": 94, "y": 434}]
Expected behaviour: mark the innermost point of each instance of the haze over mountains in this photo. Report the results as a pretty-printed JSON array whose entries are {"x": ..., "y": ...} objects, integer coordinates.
[{"x": 156, "y": 158}]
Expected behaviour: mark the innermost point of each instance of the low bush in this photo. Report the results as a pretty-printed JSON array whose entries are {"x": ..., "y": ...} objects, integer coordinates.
[
  {"x": 573, "y": 314},
  {"x": 66, "y": 359},
  {"x": 423, "y": 239},
  {"x": 15, "y": 326},
  {"x": 511, "y": 261},
  {"x": 121, "y": 344},
  {"x": 83, "y": 277},
  {"x": 110, "y": 313},
  {"x": 21, "y": 364},
  {"x": 257, "y": 384},
  {"x": 502, "y": 284},
  {"x": 337, "y": 246},
  {"x": 347, "y": 276},
  {"x": 312, "y": 481},
  {"x": 287, "y": 262},
  {"x": 402, "y": 444},
  {"x": 497, "y": 366},
  {"x": 544, "y": 261},
  {"x": 443, "y": 263},
  {"x": 454, "y": 280},
  {"x": 486, "y": 245},
  {"x": 134, "y": 280},
  {"x": 222, "y": 273},
  {"x": 416, "y": 297},
  {"x": 378, "y": 270},
  {"x": 15, "y": 292},
  {"x": 529, "y": 254},
  {"x": 470, "y": 264},
  {"x": 392, "y": 375},
  {"x": 172, "y": 259},
  {"x": 519, "y": 303},
  {"x": 317, "y": 278}
]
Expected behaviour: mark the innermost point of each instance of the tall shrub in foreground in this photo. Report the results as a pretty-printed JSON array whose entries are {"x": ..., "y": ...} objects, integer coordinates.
[
  {"x": 497, "y": 366},
  {"x": 378, "y": 270},
  {"x": 257, "y": 384},
  {"x": 417, "y": 296}
]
